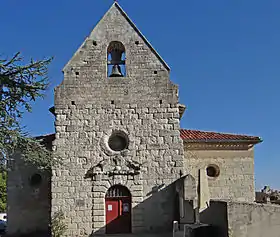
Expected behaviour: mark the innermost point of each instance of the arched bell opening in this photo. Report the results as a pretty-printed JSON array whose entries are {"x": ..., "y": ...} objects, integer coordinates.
[
  {"x": 118, "y": 210},
  {"x": 116, "y": 60}
]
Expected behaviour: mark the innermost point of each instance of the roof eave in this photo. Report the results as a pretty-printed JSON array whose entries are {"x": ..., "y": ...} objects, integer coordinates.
[
  {"x": 222, "y": 141},
  {"x": 52, "y": 135},
  {"x": 52, "y": 110},
  {"x": 182, "y": 109}
]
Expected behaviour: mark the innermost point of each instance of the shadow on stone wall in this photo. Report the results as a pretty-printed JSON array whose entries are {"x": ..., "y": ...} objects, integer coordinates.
[
  {"x": 217, "y": 216},
  {"x": 29, "y": 206},
  {"x": 33, "y": 234},
  {"x": 156, "y": 212},
  {"x": 156, "y": 215},
  {"x": 161, "y": 208}
]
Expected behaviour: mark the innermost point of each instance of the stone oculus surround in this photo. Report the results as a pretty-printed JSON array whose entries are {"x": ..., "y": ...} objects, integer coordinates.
[{"x": 90, "y": 107}]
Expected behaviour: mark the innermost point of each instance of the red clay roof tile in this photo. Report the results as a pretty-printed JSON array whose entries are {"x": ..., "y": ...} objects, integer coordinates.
[{"x": 203, "y": 136}]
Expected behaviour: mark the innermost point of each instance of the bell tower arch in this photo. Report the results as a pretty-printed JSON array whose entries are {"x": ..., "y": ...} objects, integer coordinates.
[{"x": 116, "y": 66}]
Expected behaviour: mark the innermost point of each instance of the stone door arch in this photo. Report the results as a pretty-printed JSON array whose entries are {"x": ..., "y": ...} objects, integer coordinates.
[{"x": 118, "y": 210}]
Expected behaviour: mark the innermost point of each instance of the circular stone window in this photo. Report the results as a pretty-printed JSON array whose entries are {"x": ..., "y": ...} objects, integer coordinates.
[
  {"x": 118, "y": 141},
  {"x": 35, "y": 180},
  {"x": 213, "y": 171}
]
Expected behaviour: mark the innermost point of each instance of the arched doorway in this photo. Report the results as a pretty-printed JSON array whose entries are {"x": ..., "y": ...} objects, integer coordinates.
[{"x": 118, "y": 210}]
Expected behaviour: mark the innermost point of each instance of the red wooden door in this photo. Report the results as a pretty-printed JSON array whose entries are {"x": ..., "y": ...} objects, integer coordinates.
[
  {"x": 118, "y": 213},
  {"x": 112, "y": 215}
]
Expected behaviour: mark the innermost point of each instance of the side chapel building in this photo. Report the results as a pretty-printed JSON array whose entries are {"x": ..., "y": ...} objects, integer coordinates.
[{"x": 128, "y": 166}]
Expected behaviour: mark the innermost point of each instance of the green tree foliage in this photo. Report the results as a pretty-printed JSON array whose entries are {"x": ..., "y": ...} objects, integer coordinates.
[
  {"x": 20, "y": 84},
  {"x": 3, "y": 193}
]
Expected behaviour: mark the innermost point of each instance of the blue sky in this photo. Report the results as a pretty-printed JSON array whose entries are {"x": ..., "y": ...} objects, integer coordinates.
[{"x": 224, "y": 55}]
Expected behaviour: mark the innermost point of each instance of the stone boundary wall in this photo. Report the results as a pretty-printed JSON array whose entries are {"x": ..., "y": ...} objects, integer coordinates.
[{"x": 253, "y": 219}]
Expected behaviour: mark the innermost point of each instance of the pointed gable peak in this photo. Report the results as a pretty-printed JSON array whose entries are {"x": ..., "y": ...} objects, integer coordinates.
[
  {"x": 117, "y": 5},
  {"x": 99, "y": 31}
]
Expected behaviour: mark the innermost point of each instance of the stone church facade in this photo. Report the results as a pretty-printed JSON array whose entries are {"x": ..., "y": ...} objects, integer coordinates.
[{"x": 125, "y": 157}]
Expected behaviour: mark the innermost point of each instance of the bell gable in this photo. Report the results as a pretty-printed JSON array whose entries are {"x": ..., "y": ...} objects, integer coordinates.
[{"x": 116, "y": 30}]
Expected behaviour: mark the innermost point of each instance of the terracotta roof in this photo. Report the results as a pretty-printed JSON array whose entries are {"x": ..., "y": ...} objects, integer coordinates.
[{"x": 203, "y": 136}]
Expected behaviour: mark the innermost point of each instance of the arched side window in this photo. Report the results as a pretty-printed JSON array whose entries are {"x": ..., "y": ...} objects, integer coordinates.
[{"x": 116, "y": 60}]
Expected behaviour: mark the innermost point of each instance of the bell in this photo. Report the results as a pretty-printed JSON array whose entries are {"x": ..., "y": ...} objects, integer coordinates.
[
  {"x": 116, "y": 71},
  {"x": 116, "y": 57}
]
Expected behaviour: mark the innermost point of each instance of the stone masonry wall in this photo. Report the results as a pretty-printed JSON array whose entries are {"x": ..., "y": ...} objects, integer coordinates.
[
  {"x": 236, "y": 179},
  {"x": 243, "y": 219},
  {"x": 89, "y": 107},
  {"x": 253, "y": 220},
  {"x": 28, "y": 208}
]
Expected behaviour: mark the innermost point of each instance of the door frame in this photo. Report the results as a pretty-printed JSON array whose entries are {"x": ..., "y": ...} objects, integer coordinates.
[{"x": 119, "y": 193}]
